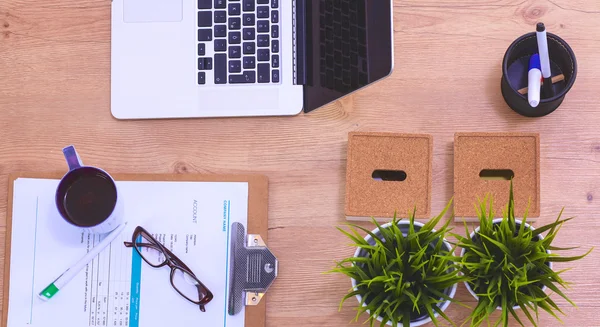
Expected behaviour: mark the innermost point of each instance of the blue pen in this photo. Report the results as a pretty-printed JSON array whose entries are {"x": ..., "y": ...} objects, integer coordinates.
[{"x": 535, "y": 81}]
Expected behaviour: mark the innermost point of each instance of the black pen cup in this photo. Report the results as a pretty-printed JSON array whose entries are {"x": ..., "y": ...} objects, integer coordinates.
[{"x": 515, "y": 70}]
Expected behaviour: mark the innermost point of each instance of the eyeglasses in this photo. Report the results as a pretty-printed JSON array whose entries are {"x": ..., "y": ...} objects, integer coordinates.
[{"x": 183, "y": 279}]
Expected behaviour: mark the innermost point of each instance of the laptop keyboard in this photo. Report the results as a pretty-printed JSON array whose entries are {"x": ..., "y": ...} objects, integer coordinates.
[
  {"x": 343, "y": 55},
  {"x": 243, "y": 37}
]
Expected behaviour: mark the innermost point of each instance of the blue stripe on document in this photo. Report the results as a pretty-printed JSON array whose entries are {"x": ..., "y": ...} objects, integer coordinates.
[{"x": 136, "y": 277}]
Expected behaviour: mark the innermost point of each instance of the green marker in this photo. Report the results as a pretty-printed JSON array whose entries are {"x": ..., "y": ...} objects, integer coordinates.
[{"x": 62, "y": 280}]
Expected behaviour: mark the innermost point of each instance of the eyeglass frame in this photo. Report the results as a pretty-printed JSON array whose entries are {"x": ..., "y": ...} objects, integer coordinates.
[{"x": 173, "y": 262}]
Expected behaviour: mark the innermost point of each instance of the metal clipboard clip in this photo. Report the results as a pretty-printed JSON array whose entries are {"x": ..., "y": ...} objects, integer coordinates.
[{"x": 252, "y": 269}]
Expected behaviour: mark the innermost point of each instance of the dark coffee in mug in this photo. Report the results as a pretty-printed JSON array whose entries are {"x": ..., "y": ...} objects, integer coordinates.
[{"x": 87, "y": 196}]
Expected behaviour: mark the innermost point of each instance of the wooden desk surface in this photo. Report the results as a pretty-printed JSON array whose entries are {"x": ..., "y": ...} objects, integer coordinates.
[{"x": 54, "y": 91}]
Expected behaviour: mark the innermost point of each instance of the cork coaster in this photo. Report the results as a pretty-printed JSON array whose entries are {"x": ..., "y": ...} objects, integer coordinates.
[
  {"x": 388, "y": 172},
  {"x": 484, "y": 164}
]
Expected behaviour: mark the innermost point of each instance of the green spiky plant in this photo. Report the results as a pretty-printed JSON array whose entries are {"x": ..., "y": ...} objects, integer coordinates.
[
  {"x": 401, "y": 277},
  {"x": 509, "y": 265}
]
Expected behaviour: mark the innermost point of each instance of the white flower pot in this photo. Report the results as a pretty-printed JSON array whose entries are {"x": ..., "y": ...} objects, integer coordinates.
[
  {"x": 443, "y": 306},
  {"x": 497, "y": 221}
]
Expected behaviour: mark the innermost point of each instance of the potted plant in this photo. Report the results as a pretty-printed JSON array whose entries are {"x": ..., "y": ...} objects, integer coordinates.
[
  {"x": 402, "y": 273},
  {"x": 509, "y": 265}
]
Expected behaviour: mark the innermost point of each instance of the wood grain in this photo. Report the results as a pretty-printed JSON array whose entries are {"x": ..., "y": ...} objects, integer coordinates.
[{"x": 54, "y": 91}]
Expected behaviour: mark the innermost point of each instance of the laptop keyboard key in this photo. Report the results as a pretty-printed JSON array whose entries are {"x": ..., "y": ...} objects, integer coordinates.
[
  {"x": 262, "y": 40},
  {"x": 220, "y": 45},
  {"x": 220, "y": 30},
  {"x": 201, "y": 78},
  {"x": 204, "y": 35},
  {"x": 220, "y": 4},
  {"x": 204, "y": 4},
  {"x": 274, "y": 17},
  {"x": 234, "y": 9},
  {"x": 204, "y": 19},
  {"x": 220, "y": 16},
  {"x": 246, "y": 77},
  {"x": 201, "y": 49},
  {"x": 248, "y": 19},
  {"x": 249, "y": 62},
  {"x": 235, "y": 38},
  {"x": 262, "y": 1},
  {"x": 263, "y": 55},
  {"x": 263, "y": 73},
  {"x": 220, "y": 68},
  {"x": 262, "y": 12},
  {"x": 275, "y": 3},
  {"x": 249, "y": 33},
  {"x": 204, "y": 63},
  {"x": 275, "y": 61},
  {"x": 234, "y": 23},
  {"x": 275, "y": 31},
  {"x": 235, "y": 66},
  {"x": 235, "y": 51},
  {"x": 262, "y": 26},
  {"x": 275, "y": 76},
  {"x": 248, "y": 5},
  {"x": 249, "y": 48},
  {"x": 275, "y": 46}
]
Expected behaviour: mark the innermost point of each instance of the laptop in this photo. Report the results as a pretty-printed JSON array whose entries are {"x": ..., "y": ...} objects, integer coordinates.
[{"x": 227, "y": 58}]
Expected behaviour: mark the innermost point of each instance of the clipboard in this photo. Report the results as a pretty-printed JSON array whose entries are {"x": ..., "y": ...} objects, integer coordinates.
[{"x": 258, "y": 197}]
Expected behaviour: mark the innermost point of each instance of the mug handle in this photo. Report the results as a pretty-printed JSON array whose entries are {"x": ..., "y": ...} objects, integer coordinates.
[{"x": 72, "y": 157}]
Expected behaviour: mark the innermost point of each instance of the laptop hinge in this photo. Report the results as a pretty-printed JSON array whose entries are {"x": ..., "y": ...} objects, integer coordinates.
[{"x": 299, "y": 41}]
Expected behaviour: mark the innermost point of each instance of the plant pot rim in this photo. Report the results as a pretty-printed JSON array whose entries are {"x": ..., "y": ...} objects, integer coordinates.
[
  {"x": 445, "y": 304},
  {"x": 496, "y": 221}
]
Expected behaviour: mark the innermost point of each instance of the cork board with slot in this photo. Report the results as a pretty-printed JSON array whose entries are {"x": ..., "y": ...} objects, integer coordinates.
[
  {"x": 484, "y": 163},
  {"x": 387, "y": 173}
]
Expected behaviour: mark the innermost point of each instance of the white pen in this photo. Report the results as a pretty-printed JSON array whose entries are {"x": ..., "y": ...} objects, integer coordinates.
[
  {"x": 542, "y": 41},
  {"x": 62, "y": 280},
  {"x": 535, "y": 81}
]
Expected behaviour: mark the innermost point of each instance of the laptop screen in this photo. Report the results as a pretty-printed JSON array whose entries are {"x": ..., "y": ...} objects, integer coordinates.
[{"x": 348, "y": 45}]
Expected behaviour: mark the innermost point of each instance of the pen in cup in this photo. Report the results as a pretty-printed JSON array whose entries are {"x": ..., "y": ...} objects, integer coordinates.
[
  {"x": 542, "y": 41},
  {"x": 534, "y": 81}
]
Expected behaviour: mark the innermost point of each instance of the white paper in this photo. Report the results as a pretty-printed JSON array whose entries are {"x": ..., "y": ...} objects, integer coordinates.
[{"x": 192, "y": 219}]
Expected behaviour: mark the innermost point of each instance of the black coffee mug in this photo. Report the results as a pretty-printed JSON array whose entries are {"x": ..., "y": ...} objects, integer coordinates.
[{"x": 87, "y": 197}]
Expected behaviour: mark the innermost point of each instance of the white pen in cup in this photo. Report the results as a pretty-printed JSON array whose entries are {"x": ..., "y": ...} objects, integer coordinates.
[
  {"x": 534, "y": 81},
  {"x": 544, "y": 57}
]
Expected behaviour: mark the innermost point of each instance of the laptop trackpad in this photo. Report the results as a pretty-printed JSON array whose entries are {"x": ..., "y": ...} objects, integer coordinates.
[{"x": 147, "y": 11}]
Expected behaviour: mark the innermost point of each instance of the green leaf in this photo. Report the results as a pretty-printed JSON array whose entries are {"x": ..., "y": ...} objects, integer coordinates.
[
  {"x": 347, "y": 296},
  {"x": 357, "y": 240},
  {"x": 551, "y": 226},
  {"x": 556, "y": 290},
  {"x": 554, "y": 258},
  {"x": 443, "y": 315},
  {"x": 514, "y": 314},
  {"x": 506, "y": 251},
  {"x": 528, "y": 315},
  {"x": 553, "y": 248}
]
